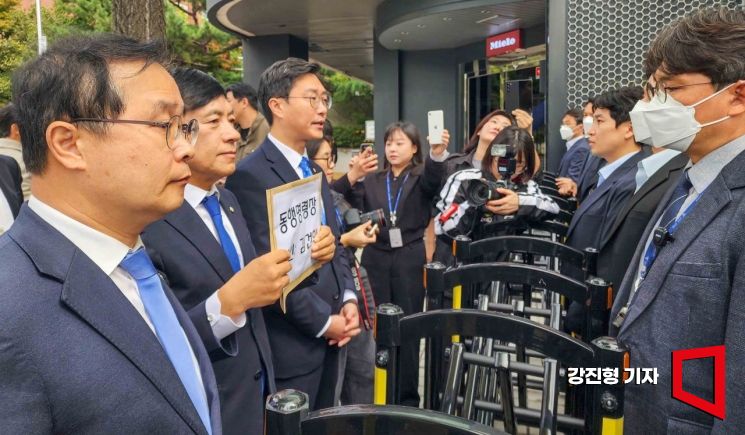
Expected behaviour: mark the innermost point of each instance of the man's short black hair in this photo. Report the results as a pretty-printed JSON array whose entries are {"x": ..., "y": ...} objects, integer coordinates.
[
  {"x": 709, "y": 42},
  {"x": 277, "y": 80},
  {"x": 7, "y": 118},
  {"x": 197, "y": 88},
  {"x": 575, "y": 113},
  {"x": 243, "y": 90},
  {"x": 72, "y": 80},
  {"x": 619, "y": 102}
]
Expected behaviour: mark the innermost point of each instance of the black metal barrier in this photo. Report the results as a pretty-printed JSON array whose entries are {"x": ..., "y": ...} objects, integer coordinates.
[
  {"x": 604, "y": 403},
  {"x": 287, "y": 414}
]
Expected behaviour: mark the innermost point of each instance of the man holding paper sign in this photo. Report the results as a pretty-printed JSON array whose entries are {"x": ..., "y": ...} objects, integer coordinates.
[
  {"x": 203, "y": 250},
  {"x": 321, "y": 313}
]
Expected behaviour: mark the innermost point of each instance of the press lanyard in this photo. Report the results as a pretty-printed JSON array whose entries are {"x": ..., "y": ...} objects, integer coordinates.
[
  {"x": 391, "y": 208},
  {"x": 618, "y": 321}
]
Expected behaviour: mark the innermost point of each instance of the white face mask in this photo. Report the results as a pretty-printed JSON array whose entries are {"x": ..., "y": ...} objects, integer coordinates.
[
  {"x": 639, "y": 124},
  {"x": 587, "y": 124},
  {"x": 671, "y": 124},
  {"x": 566, "y": 132}
]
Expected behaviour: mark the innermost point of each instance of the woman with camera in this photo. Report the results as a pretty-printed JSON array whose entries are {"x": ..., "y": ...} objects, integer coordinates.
[
  {"x": 473, "y": 200},
  {"x": 404, "y": 189}
]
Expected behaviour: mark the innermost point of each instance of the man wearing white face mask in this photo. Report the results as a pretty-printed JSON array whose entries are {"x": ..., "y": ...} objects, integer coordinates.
[
  {"x": 578, "y": 148},
  {"x": 686, "y": 283}
]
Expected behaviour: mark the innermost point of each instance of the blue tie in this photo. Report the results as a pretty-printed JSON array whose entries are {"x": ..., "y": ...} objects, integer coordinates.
[
  {"x": 668, "y": 217},
  {"x": 305, "y": 168},
  {"x": 212, "y": 204},
  {"x": 167, "y": 328}
]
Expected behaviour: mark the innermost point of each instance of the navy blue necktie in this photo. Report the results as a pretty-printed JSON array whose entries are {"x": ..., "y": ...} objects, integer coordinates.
[
  {"x": 668, "y": 217},
  {"x": 212, "y": 204},
  {"x": 307, "y": 172},
  {"x": 167, "y": 328}
]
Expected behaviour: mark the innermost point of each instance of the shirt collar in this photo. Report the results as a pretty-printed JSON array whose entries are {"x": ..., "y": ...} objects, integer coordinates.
[
  {"x": 290, "y": 154},
  {"x": 657, "y": 160},
  {"x": 608, "y": 170},
  {"x": 571, "y": 142},
  {"x": 6, "y": 142},
  {"x": 195, "y": 195},
  {"x": 703, "y": 173},
  {"x": 105, "y": 251}
]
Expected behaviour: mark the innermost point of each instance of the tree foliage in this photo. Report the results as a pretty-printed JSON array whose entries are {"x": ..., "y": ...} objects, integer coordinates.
[
  {"x": 353, "y": 104},
  {"x": 191, "y": 39}
]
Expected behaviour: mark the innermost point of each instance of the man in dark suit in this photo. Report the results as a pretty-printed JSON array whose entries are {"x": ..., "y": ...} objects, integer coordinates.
[
  {"x": 322, "y": 315},
  {"x": 577, "y": 146},
  {"x": 611, "y": 139},
  {"x": 202, "y": 248},
  {"x": 93, "y": 341},
  {"x": 11, "y": 196},
  {"x": 686, "y": 290},
  {"x": 652, "y": 182}
]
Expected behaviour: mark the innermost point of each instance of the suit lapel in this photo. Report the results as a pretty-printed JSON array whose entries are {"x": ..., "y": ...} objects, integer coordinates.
[
  {"x": 187, "y": 222},
  {"x": 715, "y": 198},
  {"x": 599, "y": 192},
  {"x": 278, "y": 162},
  {"x": 94, "y": 297},
  {"x": 657, "y": 178}
]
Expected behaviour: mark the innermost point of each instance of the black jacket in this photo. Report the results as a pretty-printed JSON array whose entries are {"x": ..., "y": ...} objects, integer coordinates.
[
  {"x": 295, "y": 347},
  {"x": 415, "y": 206},
  {"x": 624, "y": 236},
  {"x": 10, "y": 183},
  {"x": 195, "y": 266}
]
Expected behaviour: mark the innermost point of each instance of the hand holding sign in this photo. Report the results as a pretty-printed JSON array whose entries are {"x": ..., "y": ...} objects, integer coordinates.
[
  {"x": 258, "y": 284},
  {"x": 324, "y": 245}
]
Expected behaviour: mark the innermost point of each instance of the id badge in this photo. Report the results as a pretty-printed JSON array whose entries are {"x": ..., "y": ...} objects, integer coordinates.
[{"x": 395, "y": 235}]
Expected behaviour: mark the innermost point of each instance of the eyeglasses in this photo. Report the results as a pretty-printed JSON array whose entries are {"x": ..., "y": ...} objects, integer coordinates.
[
  {"x": 173, "y": 127},
  {"x": 664, "y": 89},
  {"x": 315, "y": 101},
  {"x": 330, "y": 160}
]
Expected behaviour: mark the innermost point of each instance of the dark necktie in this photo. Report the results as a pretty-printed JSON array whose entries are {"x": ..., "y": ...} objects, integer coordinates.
[{"x": 212, "y": 204}]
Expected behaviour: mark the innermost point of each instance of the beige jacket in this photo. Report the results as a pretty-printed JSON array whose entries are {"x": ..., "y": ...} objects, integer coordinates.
[{"x": 256, "y": 135}]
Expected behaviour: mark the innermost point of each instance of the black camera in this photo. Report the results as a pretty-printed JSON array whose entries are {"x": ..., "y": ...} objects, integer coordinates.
[
  {"x": 353, "y": 217},
  {"x": 479, "y": 192}
]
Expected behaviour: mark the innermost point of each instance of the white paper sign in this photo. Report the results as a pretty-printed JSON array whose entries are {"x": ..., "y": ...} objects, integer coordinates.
[{"x": 295, "y": 211}]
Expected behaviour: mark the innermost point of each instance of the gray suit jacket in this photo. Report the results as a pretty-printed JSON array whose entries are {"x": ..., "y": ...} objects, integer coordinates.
[
  {"x": 692, "y": 297},
  {"x": 75, "y": 356}
]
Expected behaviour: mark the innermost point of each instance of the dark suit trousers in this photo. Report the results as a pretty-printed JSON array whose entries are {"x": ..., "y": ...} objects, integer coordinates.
[
  {"x": 396, "y": 277},
  {"x": 318, "y": 384}
]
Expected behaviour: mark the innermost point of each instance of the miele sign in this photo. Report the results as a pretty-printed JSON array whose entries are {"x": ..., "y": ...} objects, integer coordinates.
[{"x": 503, "y": 43}]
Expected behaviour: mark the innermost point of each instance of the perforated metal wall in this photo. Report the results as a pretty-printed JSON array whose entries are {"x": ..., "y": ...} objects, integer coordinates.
[{"x": 606, "y": 40}]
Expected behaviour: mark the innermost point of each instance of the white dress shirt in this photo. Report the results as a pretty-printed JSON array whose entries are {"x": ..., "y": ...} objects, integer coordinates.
[
  {"x": 107, "y": 253},
  {"x": 6, "y": 214},
  {"x": 294, "y": 158},
  {"x": 222, "y": 325}
]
